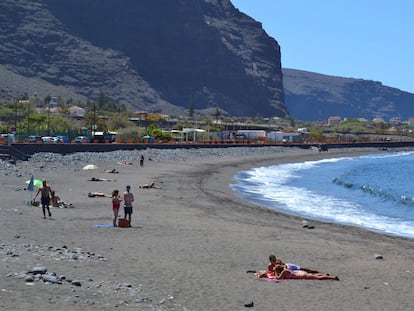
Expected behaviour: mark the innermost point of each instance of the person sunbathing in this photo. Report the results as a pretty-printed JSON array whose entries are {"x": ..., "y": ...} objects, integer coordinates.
[
  {"x": 101, "y": 179},
  {"x": 113, "y": 171},
  {"x": 57, "y": 201},
  {"x": 274, "y": 261},
  {"x": 126, "y": 163},
  {"x": 149, "y": 186},
  {"x": 282, "y": 273},
  {"x": 98, "y": 194}
]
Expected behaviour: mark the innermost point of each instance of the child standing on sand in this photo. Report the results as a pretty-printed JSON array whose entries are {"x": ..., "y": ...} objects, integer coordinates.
[{"x": 116, "y": 204}]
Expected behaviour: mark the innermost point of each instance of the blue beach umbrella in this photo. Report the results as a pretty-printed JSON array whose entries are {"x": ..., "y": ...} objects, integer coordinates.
[
  {"x": 30, "y": 187},
  {"x": 31, "y": 184}
]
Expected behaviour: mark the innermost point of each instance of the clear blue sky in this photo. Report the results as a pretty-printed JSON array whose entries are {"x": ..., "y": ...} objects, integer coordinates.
[{"x": 367, "y": 39}]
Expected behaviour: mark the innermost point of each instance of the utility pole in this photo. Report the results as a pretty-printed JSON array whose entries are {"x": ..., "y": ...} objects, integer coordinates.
[
  {"x": 28, "y": 117},
  {"x": 94, "y": 118},
  {"x": 48, "y": 118},
  {"x": 15, "y": 114}
]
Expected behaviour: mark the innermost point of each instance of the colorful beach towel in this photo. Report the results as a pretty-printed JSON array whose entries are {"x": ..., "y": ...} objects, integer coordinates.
[
  {"x": 271, "y": 280},
  {"x": 263, "y": 275}
]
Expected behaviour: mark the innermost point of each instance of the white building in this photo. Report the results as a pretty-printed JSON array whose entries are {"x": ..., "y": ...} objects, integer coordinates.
[
  {"x": 252, "y": 134},
  {"x": 76, "y": 111},
  {"x": 283, "y": 137}
]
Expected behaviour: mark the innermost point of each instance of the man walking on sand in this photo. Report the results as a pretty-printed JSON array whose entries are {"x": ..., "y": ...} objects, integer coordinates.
[
  {"x": 141, "y": 160},
  {"x": 45, "y": 195},
  {"x": 128, "y": 199}
]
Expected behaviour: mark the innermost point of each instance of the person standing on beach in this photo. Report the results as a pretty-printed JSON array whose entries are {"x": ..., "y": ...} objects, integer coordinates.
[
  {"x": 141, "y": 161},
  {"x": 128, "y": 199},
  {"x": 116, "y": 204},
  {"x": 45, "y": 196}
]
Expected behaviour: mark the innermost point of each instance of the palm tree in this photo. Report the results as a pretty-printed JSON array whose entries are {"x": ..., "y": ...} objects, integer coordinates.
[{"x": 217, "y": 114}]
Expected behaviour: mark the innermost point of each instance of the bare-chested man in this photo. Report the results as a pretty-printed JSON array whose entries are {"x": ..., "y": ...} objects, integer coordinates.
[
  {"x": 45, "y": 196},
  {"x": 128, "y": 199}
]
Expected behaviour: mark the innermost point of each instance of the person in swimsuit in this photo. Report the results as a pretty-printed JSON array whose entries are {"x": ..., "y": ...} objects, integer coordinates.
[
  {"x": 57, "y": 201},
  {"x": 274, "y": 261},
  {"x": 141, "y": 160},
  {"x": 128, "y": 199},
  {"x": 98, "y": 194},
  {"x": 116, "y": 204},
  {"x": 149, "y": 186},
  {"x": 101, "y": 179},
  {"x": 282, "y": 273},
  {"x": 45, "y": 196},
  {"x": 113, "y": 171}
]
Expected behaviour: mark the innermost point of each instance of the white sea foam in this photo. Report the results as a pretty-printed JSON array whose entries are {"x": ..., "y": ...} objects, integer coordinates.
[{"x": 370, "y": 191}]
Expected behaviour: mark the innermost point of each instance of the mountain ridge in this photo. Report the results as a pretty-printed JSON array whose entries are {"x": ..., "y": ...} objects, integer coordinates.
[
  {"x": 314, "y": 96},
  {"x": 162, "y": 57},
  {"x": 150, "y": 55}
]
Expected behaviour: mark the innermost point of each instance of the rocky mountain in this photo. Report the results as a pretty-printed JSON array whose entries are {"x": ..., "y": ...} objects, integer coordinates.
[
  {"x": 152, "y": 55},
  {"x": 311, "y": 96}
]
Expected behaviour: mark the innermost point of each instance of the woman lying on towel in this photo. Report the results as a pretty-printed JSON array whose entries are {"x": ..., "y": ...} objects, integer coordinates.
[
  {"x": 101, "y": 179},
  {"x": 149, "y": 186},
  {"x": 113, "y": 171},
  {"x": 273, "y": 262},
  {"x": 279, "y": 270},
  {"x": 282, "y": 273},
  {"x": 98, "y": 194}
]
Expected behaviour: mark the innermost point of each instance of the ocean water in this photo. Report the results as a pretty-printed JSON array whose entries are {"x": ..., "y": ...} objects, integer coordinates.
[{"x": 375, "y": 192}]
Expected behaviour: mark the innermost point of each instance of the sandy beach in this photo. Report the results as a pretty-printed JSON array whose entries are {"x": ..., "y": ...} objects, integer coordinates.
[{"x": 190, "y": 244}]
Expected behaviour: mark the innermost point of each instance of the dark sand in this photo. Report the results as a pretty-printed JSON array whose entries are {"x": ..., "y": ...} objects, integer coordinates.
[{"x": 190, "y": 245}]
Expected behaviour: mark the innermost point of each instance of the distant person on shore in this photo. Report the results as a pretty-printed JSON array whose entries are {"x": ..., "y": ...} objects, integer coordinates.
[
  {"x": 128, "y": 199},
  {"x": 98, "y": 194},
  {"x": 113, "y": 171},
  {"x": 101, "y": 179},
  {"x": 126, "y": 163},
  {"x": 116, "y": 204},
  {"x": 45, "y": 196},
  {"x": 141, "y": 161},
  {"x": 322, "y": 148},
  {"x": 149, "y": 186}
]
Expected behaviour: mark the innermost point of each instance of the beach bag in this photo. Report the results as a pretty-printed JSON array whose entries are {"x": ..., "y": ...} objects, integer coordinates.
[{"x": 123, "y": 223}]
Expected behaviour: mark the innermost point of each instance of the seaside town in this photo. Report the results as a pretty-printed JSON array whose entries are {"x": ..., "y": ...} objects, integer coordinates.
[{"x": 53, "y": 121}]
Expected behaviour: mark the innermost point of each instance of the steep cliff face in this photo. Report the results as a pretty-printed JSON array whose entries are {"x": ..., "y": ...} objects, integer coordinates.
[
  {"x": 311, "y": 96},
  {"x": 150, "y": 54}
]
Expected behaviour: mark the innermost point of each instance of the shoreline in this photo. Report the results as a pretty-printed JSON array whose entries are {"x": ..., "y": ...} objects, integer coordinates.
[
  {"x": 281, "y": 159},
  {"x": 191, "y": 243},
  {"x": 253, "y": 194}
]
